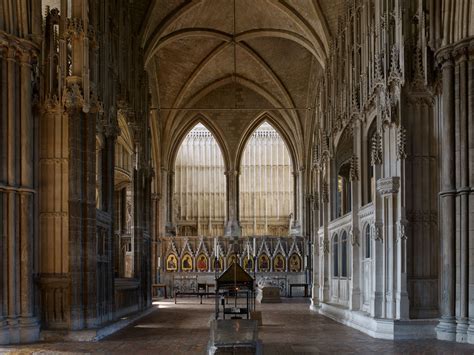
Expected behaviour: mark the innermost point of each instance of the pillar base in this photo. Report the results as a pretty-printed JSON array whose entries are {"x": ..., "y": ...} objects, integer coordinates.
[
  {"x": 461, "y": 330},
  {"x": 470, "y": 332},
  {"x": 315, "y": 305},
  {"x": 446, "y": 329},
  {"x": 403, "y": 306},
  {"x": 19, "y": 330},
  {"x": 381, "y": 328}
]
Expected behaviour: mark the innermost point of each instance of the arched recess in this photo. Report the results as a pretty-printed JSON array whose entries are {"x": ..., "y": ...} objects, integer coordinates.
[
  {"x": 266, "y": 186},
  {"x": 342, "y": 171},
  {"x": 199, "y": 191}
]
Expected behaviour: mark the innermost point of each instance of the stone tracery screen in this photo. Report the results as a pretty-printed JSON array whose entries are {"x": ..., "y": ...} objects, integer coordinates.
[
  {"x": 199, "y": 201},
  {"x": 266, "y": 184}
]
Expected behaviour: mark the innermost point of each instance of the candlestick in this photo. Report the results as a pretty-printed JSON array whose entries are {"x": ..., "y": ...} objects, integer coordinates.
[{"x": 254, "y": 247}]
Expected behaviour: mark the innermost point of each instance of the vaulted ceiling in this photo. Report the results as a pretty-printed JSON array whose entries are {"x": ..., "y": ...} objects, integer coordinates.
[{"x": 274, "y": 48}]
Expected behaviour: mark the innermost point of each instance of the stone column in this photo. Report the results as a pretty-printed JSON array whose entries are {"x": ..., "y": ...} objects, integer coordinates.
[
  {"x": 108, "y": 201},
  {"x": 356, "y": 198},
  {"x": 463, "y": 190},
  {"x": 295, "y": 228},
  {"x": 470, "y": 159},
  {"x": 316, "y": 254},
  {"x": 4, "y": 337},
  {"x": 18, "y": 321},
  {"x": 324, "y": 268},
  {"x": 232, "y": 228},
  {"x": 377, "y": 308},
  {"x": 401, "y": 288},
  {"x": 388, "y": 189},
  {"x": 446, "y": 330},
  {"x": 27, "y": 199}
]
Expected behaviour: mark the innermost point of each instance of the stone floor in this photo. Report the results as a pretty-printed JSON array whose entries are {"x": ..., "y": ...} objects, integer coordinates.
[{"x": 289, "y": 328}]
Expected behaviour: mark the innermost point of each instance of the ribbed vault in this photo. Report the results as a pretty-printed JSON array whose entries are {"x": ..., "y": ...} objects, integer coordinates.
[{"x": 273, "y": 48}]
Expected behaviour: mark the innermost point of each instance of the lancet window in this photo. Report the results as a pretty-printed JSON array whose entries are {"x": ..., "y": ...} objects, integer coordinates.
[
  {"x": 266, "y": 184},
  {"x": 199, "y": 200}
]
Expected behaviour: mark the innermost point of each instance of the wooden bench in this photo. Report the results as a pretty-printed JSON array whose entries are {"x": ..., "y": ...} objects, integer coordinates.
[
  {"x": 198, "y": 294},
  {"x": 299, "y": 285}
]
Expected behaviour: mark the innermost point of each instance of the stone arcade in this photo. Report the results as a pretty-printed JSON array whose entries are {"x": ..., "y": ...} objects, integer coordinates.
[{"x": 319, "y": 142}]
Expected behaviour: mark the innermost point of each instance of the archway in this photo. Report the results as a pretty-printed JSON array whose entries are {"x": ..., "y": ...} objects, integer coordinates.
[
  {"x": 266, "y": 184},
  {"x": 199, "y": 195}
]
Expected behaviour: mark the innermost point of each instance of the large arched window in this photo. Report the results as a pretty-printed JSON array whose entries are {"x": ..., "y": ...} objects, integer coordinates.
[
  {"x": 266, "y": 184},
  {"x": 199, "y": 200}
]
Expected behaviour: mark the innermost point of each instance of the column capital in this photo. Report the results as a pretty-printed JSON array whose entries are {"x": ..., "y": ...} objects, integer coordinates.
[
  {"x": 388, "y": 186},
  {"x": 444, "y": 57}
]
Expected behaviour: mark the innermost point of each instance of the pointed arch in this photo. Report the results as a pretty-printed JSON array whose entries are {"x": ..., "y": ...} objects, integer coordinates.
[
  {"x": 266, "y": 194},
  {"x": 199, "y": 190},
  {"x": 183, "y": 131},
  {"x": 257, "y": 122}
]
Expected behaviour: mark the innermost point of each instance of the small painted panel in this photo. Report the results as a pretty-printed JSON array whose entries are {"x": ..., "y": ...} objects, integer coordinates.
[
  {"x": 295, "y": 263},
  {"x": 171, "y": 263},
  {"x": 248, "y": 263},
  {"x": 220, "y": 264},
  {"x": 263, "y": 263},
  {"x": 186, "y": 263},
  {"x": 279, "y": 263},
  {"x": 202, "y": 263}
]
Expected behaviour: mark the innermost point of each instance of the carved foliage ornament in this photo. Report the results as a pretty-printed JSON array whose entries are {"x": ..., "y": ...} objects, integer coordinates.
[
  {"x": 401, "y": 231},
  {"x": 354, "y": 168},
  {"x": 377, "y": 231},
  {"x": 376, "y": 152},
  {"x": 325, "y": 193},
  {"x": 74, "y": 27},
  {"x": 354, "y": 233},
  {"x": 72, "y": 97},
  {"x": 326, "y": 247},
  {"x": 401, "y": 143}
]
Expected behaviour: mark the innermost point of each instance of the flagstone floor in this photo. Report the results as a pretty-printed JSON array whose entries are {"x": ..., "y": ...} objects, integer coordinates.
[{"x": 288, "y": 328}]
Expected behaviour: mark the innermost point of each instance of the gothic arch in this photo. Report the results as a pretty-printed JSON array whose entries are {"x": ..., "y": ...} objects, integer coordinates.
[
  {"x": 281, "y": 131},
  {"x": 185, "y": 129}
]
